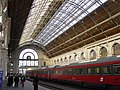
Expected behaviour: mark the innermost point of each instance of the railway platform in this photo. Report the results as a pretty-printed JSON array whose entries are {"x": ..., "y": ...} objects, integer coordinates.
[{"x": 28, "y": 86}]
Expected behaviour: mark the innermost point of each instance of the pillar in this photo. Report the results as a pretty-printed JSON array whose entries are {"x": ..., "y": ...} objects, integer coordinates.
[{"x": 3, "y": 59}]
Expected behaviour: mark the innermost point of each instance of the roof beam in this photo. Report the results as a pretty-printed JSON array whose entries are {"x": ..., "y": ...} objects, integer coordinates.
[
  {"x": 88, "y": 38},
  {"x": 117, "y": 14}
]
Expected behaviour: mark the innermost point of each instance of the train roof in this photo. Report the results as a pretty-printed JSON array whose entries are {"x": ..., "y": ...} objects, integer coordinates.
[{"x": 100, "y": 60}]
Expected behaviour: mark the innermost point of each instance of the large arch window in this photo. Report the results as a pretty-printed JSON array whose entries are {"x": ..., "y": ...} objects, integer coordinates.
[
  {"x": 103, "y": 52},
  {"x": 116, "y": 49},
  {"x": 28, "y": 59},
  {"x": 92, "y": 55}
]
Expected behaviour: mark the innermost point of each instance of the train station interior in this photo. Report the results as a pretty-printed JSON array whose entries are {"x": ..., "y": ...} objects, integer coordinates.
[{"x": 40, "y": 34}]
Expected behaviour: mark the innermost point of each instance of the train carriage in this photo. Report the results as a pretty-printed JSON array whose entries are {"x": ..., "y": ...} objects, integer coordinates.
[{"x": 104, "y": 71}]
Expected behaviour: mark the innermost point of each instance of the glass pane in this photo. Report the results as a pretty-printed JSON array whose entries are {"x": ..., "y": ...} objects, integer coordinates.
[
  {"x": 106, "y": 69},
  {"x": 88, "y": 71},
  {"x": 96, "y": 70},
  {"x": 24, "y": 63},
  {"x": 39, "y": 8},
  {"x": 28, "y": 63},
  {"x": 20, "y": 63},
  {"x": 20, "y": 71},
  {"x": 117, "y": 69},
  {"x": 69, "y": 14},
  {"x": 36, "y": 63},
  {"x": 32, "y": 63}
]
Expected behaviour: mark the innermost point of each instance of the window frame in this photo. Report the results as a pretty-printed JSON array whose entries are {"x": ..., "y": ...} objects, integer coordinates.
[{"x": 114, "y": 70}]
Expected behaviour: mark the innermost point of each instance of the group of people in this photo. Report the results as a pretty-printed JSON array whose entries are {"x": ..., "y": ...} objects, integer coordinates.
[{"x": 14, "y": 79}]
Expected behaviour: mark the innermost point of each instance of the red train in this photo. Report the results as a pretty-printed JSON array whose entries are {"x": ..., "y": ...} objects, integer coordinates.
[{"x": 104, "y": 72}]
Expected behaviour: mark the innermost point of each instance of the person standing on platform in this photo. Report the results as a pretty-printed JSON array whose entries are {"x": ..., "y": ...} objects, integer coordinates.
[
  {"x": 23, "y": 79},
  {"x": 16, "y": 79},
  {"x": 35, "y": 82},
  {"x": 10, "y": 80}
]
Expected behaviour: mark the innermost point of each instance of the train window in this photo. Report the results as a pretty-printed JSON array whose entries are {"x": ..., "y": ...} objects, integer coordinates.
[
  {"x": 88, "y": 70},
  {"x": 42, "y": 72},
  {"x": 81, "y": 71},
  {"x": 96, "y": 70},
  {"x": 76, "y": 71},
  {"x": 39, "y": 72},
  {"x": 64, "y": 71},
  {"x": 52, "y": 72},
  {"x": 106, "y": 69},
  {"x": 56, "y": 72},
  {"x": 60, "y": 72},
  {"x": 116, "y": 69},
  {"x": 46, "y": 72},
  {"x": 70, "y": 71}
]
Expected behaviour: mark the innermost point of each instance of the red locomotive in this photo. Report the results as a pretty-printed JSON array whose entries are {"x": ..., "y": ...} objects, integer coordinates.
[{"x": 104, "y": 71}]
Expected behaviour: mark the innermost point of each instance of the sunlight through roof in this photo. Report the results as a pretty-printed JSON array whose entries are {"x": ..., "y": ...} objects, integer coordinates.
[
  {"x": 67, "y": 15},
  {"x": 38, "y": 9}
]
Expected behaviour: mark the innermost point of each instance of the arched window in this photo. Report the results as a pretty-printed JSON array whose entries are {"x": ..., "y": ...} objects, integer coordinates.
[
  {"x": 116, "y": 49},
  {"x": 75, "y": 57},
  {"x": 61, "y": 61},
  {"x": 92, "y": 55},
  {"x": 57, "y": 61},
  {"x": 65, "y": 60},
  {"x": 44, "y": 63},
  {"x": 28, "y": 53},
  {"x": 70, "y": 58},
  {"x": 103, "y": 52},
  {"x": 28, "y": 58},
  {"x": 54, "y": 61},
  {"x": 83, "y": 57}
]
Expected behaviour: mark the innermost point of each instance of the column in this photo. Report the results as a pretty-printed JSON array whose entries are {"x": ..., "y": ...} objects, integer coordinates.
[{"x": 3, "y": 59}]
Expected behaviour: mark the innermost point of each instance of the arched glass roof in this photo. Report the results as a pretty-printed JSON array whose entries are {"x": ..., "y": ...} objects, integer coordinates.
[
  {"x": 38, "y": 9},
  {"x": 68, "y": 14}
]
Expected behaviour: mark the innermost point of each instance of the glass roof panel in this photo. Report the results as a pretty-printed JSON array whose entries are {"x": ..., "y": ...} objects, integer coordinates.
[
  {"x": 67, "y": 15},
  {"x": 38, "y": 9}
]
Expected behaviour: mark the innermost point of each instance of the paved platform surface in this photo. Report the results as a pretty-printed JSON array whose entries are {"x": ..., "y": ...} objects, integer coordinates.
[{"x": 28, "y": 86}]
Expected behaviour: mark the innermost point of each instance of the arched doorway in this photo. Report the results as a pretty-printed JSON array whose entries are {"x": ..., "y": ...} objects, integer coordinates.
[{"x": 28, "y": 59}]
